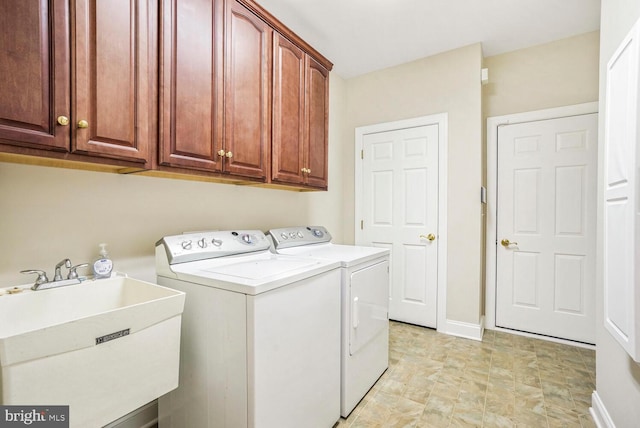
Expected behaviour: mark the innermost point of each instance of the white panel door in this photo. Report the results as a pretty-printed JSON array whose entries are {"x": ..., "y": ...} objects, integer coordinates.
[
  {"x": 400, "y": 212},
  {"x": 546, "y": 227},
  {"x": 621, "y": 203}
]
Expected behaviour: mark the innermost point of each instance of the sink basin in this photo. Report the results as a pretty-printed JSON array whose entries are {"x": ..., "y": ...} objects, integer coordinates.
[{"x": 104, "y": 347}]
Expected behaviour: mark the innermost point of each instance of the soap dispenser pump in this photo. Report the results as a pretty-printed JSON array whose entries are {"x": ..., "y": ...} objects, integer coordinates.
[{"x": 103, "y": 266}]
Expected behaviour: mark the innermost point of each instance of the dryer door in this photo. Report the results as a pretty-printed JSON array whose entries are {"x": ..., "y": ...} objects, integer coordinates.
[{"x": 369, "y": 304}]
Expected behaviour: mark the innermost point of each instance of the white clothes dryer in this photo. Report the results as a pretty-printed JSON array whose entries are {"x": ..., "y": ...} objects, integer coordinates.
[
  {"x": 364, "y": 307},
  {"x": 260, "y": 334}
]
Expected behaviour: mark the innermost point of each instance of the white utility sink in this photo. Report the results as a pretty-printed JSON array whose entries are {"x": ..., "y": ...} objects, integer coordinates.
[{"x": 104, "y": 347}]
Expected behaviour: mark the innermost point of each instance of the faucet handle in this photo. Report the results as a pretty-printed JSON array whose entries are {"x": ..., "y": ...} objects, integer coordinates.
[
  {"x": 72, "y": 270},
  {"x": 42, "y": 277}
]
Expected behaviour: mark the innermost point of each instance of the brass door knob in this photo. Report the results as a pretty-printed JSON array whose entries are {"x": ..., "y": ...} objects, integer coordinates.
[
  {"x": 83, "y": 124},
  {"x": 505, "y": 243},
  {"x": 430, "y": 237},
  {"x": 229, "y": 155},
  {"x": 221, "y": 152},
  {"x": 63, "y": 120}
]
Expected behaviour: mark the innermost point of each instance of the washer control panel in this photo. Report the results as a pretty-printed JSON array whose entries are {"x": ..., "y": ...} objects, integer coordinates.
[
  {"x": 194, "y": 246},
  {"x": 297, "y": 236}
]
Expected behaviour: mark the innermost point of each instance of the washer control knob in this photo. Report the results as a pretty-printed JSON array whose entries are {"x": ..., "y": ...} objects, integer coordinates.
[
  {"x": 186, "y": 245},
  {"x": 246, "y": 238},
  {"x": 292, "y": 235},
  {"x": 300, "y": 235},
  {"x": 284, "y": 236},
  {"x": 318, "y": 233},
  {"x": 202, "y": 243},
  {"x": 216, "y": 242}
]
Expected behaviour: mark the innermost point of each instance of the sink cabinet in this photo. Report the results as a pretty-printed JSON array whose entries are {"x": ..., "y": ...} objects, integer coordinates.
[
  {"x": 300, "y": 121},
  {"x": 87, "y": 96}
]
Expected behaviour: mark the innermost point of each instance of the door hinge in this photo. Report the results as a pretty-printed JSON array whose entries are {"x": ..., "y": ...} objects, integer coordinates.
[
  {"x": 361, "y": 224},
  {"x": 361, "y": 154}
]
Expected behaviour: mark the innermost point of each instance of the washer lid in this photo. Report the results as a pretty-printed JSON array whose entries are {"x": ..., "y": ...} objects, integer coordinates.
[
  {"x": 251, "y": 273},
  {"x": 347, "y": 255}
]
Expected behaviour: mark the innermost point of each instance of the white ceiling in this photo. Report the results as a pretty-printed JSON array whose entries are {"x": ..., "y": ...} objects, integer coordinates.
[{"x": 360, "y": 36}]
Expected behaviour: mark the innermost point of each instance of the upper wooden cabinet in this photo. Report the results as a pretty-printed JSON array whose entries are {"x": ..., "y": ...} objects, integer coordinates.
[
  {"x": 300, "y": 105},
  {"x": 35, "y": 70},
  {"x": 217, "y": 88},
  {"x": 317, "y": 123},
  {"x": 247, "y": 79},
  {"x": 114, "y": 79},
  {"x": 215, "y": 118},
  {"x": 191, "y": 84},
  {"x": 107, "y": 68}
]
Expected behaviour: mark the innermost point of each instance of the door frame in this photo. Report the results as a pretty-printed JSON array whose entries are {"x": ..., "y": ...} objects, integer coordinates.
[
  {"x": 441, "y": 120},
  {"x": 491, "y": 244}
]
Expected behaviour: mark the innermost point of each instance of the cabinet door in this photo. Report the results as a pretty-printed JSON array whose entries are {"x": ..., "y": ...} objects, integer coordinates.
[
  {"x": 317, "y": 114},
  {"x": 288, "y": 112},
  {"x": 113, "y": 112},
  {"x": 190, "y": 78},
  {"x": 34, "y": 65},
  {"x": 247, "y": 122}
]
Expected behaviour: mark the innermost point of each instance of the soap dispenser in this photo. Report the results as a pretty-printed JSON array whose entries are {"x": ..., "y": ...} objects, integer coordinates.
[{"x": 103, "y": 266}]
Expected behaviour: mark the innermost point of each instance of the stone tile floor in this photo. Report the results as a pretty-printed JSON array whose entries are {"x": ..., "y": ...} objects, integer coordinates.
[{"x": 436, "y": 380}]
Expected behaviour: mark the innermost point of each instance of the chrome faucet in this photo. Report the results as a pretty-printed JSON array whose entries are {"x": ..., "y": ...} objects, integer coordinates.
[{"x": 42, "y": 282}]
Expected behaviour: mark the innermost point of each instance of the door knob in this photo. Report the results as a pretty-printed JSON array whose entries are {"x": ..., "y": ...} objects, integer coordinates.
[
  {"x": 221, "y": 152},
  {"x": 83, "y": 124},
  {"x": 63, "y": 120},
  {"x": 505, "y": 243},
  {"x": 430, "y": 237},
  {"x": 229, "y": 155}
]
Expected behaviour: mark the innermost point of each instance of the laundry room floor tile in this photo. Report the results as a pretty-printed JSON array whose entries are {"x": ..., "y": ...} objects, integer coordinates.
[{"x": 436, "y": 380}]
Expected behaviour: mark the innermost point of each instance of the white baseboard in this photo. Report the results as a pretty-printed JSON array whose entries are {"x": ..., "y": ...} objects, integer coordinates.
[
  {"x": 599, "y": 412},
  {"x": 465, "y": 329}
]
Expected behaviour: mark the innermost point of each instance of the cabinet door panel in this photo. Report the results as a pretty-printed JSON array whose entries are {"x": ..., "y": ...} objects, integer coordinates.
[
  {"x": 190, "y": 76},
  {"x": 247, "y": 92},
  {"x": 113, "y": 83},
  {"x": 288, "y": 111},
  {"x": 317, "y": 123},
  {"x": 34, "y": 59}
]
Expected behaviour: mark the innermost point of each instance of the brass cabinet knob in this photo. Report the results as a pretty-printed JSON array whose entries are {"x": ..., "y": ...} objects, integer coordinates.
[
  {"x": 63, "y": 120},
  {"x": 505, "y": 243},
  {"x": 306, "y": 170},
  {"x": 83, "y": 124},
  {"x": 221, "y": 152},
  {"x": 430, "y": 237},
  {"x": 229, "y": 155}
]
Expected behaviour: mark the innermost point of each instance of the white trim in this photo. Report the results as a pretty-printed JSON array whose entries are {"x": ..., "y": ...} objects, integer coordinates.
[
  {"x": 441, "y": 120},
  {"x": 599, "y": 412},
  {"x": 464, "y": 329},
  {"x": 547, "y": 338},
  {"x": 492, "y": 176}
]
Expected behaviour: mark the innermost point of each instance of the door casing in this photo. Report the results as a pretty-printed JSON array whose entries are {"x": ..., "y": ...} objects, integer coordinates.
[
  {"x": 492, "y": 182},
  {"x": 442, "y": 121}
]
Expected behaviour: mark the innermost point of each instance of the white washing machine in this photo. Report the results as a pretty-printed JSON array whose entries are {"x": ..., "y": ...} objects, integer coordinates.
[
  {"x": 260, "y": 334},
  {"x": 364, "y": 309}
]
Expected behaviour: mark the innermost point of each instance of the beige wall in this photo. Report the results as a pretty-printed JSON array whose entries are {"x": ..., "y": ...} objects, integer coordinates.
[
  {"x": 48, "y": 214},
  {"x": 617, "y": 375},
  {"x": 448, "y": 82},
  {"x": 555, "y": 74}
]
